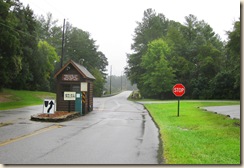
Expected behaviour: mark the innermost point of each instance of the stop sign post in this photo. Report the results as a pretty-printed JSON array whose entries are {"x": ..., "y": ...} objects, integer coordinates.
[{"x": 178, "y": 90}]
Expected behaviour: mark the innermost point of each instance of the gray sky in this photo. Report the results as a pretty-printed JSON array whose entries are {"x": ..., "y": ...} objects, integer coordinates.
[{"x": 112, "y": 22}]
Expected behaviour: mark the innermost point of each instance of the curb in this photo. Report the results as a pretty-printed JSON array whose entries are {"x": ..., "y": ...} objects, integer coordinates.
[
  {"x": 68, "y": 117},
  {"x": 161, "y": 159}
]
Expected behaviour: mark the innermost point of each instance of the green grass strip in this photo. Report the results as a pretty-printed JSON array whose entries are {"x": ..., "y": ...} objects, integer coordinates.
[
  {"x": 196, "y": 136},
  {"x": 22, "y": 98}
]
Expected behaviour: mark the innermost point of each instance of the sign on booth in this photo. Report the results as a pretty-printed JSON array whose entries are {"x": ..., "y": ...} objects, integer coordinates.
[{"x": 69, "y": 95}]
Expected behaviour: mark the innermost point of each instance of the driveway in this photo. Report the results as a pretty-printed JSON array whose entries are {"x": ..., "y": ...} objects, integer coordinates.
[{"x": 232, "y": 111}]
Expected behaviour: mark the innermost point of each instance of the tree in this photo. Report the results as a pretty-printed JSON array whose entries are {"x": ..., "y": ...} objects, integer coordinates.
[
  {"x": 153, "y": 26},
  {"x": 46, "y": 59},
  {"x": 159, "y": 76},
  {"x": 178, "y": 56},
  {"x": 28, "y": 45},
  {"x": 190, "y": 28},
  {"x": 182, "y": 70},
  {"x": 222, "y": 86},
  {"x": 203, "y": 50},
  {"x": 98, "y": 83},
  {"x": 28, "y": 42},
  {"x": 48, "y": 30},
  {"x": 226, "y": 84},
  {"x": 81, "y": 48},
  {"x": 10, "y": 51},
  {"x": 233, "y": 48},
  {"x": 196, "y": 55},
  {"x": 176, "y": 39}
]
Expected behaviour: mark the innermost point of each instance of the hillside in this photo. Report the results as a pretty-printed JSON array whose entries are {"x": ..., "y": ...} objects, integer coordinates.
[{"x": 10, "y": 99}]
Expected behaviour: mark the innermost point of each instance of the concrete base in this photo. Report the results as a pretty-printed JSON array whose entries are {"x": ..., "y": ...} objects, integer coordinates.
[{"x": 69, "y": 116}]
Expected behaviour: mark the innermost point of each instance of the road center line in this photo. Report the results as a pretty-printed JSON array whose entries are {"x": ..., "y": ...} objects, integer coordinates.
[{"x": 12, "y": 140}]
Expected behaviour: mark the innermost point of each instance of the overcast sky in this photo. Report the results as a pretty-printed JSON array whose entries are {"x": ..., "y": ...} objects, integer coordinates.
[{"x": 112, "y": 22}]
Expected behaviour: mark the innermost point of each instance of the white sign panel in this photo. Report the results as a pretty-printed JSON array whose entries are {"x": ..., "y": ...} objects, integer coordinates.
[
  {"x": 77, "y": 95},
  {"x": 49, "y": 106},
  {"x": 69, "y": 95},
  {"x": 83, "y": 86}
]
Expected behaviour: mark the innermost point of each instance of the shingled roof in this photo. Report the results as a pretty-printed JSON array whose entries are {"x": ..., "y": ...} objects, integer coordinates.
[{"x": 80, "y": 68}]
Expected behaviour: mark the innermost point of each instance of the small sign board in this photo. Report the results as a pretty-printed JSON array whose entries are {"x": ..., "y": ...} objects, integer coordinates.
[
  {"x": 49, "y": 106},
  {"x": 69, "y": 95},
  {"x": 77, "y": 95},
  {"x": 70, "y": 77},
  {"x": 83, "y": 86}
]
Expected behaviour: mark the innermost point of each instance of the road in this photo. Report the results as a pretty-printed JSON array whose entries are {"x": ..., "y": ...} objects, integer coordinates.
[
  {"x": 116, "y": 132},
  {"x": 232, "y": 111}
]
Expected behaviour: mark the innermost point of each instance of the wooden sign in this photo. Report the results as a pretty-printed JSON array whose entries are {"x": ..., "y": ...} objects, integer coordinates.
[{"x": 70, "y": 77}]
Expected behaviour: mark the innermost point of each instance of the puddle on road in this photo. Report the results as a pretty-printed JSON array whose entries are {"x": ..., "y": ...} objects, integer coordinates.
[
  {"x": 24, "y": 123},
  {"x": 142, "y": 128}
]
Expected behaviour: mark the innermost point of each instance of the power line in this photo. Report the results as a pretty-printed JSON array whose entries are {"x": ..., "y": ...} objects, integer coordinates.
[
  {"x": 34, "y": 4},
  {"x": 45, "y": 11},
  {"x": 56, "y": 9},
  {"x": 16, "y": 30},
  {"x": 110, "y": 79},
  {"x": 62, "y": 54}
]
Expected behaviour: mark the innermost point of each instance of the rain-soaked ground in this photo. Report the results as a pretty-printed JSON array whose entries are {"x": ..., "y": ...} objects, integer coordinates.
[{"x": 116, "y": 132}]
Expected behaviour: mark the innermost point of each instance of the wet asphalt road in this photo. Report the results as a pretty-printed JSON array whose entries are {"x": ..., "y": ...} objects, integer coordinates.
[
  {"x": 231, "y": 111},
  {"x": 116, "y": 132}
]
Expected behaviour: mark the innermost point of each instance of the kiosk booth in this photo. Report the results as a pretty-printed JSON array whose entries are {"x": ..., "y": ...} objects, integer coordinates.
[{"x": 74, "y": 88}]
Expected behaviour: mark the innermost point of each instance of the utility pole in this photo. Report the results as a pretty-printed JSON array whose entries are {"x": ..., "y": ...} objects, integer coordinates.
[
  {"x": 121, "y": 81},
  {"x": 110, "y": 78},
  {"x": 62, "y": 54}
]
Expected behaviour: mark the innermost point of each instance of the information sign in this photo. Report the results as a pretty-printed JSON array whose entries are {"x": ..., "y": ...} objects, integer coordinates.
[
  {"x": 83, "y": 86},
  {"x": 69, "y": 95}
]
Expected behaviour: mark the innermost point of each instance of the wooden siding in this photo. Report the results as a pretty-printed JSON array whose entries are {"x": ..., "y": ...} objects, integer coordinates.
[{"x": 64, "y": 85}]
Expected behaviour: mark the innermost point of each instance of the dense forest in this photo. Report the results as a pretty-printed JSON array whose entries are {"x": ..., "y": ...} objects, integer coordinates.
[
  {"x": 31, "y": 48},
  {"x": 166, "y": 52}
]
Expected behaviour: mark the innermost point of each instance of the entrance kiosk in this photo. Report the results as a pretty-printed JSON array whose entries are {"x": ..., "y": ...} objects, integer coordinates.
[{"x": 73, "y": 77}]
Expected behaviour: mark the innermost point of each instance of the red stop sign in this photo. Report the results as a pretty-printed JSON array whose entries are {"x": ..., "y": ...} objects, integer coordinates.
[{"x": 178, "y": 90}]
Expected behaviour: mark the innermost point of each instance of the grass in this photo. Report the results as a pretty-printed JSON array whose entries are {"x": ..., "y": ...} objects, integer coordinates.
[
  {"x": 196, "y": 136},
  {"x": 20, "y": 98}
]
